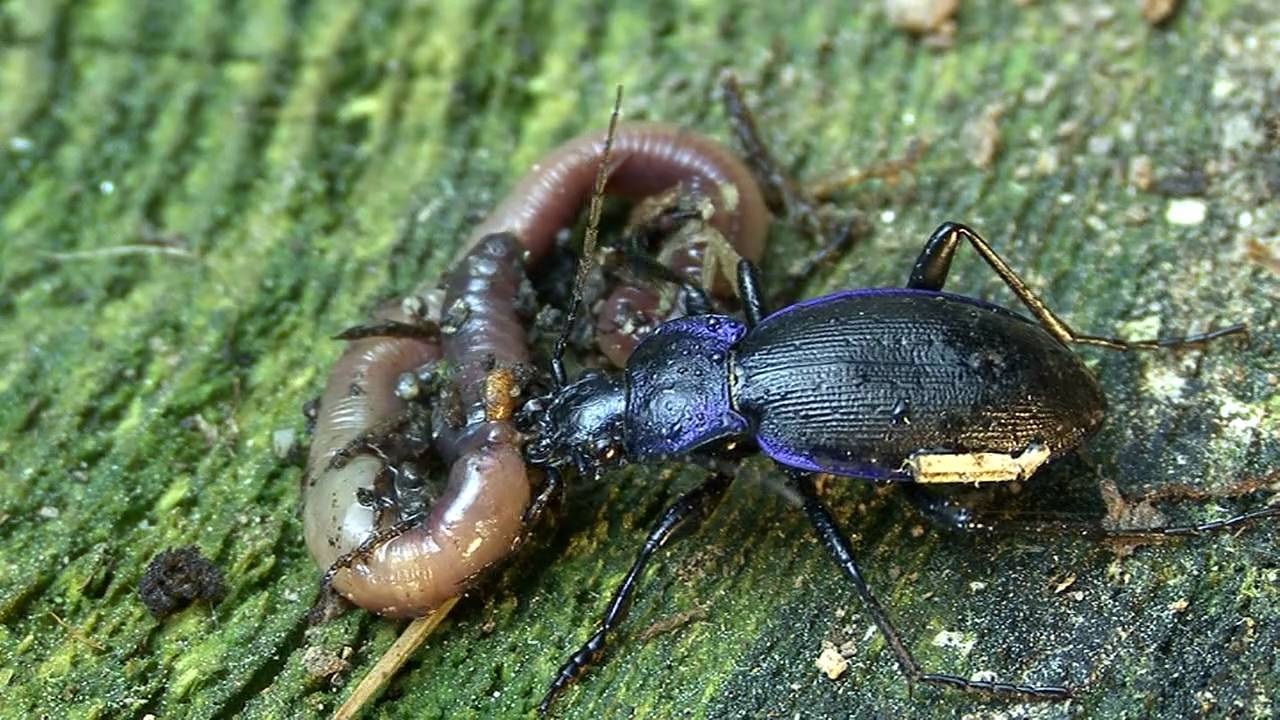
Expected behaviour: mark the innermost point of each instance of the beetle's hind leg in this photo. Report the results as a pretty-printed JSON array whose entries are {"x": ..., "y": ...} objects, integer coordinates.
[
  {"x": 685, "y": 515},
  {"x": 943, "y": 511},
  {"x": 837, "y": 543},
  {"x": 930, "y": 273}
]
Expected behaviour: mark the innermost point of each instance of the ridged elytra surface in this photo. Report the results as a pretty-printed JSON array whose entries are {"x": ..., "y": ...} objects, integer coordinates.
[
  {"x": 313, "y": 158},
  {"x": 856, "y": 383}
]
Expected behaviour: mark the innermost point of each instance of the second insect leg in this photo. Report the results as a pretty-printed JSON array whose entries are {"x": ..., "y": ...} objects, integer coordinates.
[
  {"x": 837, "y": 543},
  {"x": 683, "y": 516}
]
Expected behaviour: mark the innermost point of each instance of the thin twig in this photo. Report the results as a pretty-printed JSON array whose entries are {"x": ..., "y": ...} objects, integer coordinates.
[
  {"x": 887, "y": 170},
  {"x": 123, "y": 250},
  {"x": 75, "y": 633},
  {"x": 392, "y": 660}
]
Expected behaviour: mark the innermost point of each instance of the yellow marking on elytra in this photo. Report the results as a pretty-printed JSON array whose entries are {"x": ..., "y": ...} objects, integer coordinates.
[{"x": 976, "y": 468}]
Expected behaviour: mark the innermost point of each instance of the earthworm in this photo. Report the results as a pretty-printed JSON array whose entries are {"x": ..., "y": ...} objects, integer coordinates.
[
  {"x": 486, "y": 295},
  {"x": 646, "y": 159},
  {"x": 359, "y": 397},
  {"x": 478, "y": 519}
]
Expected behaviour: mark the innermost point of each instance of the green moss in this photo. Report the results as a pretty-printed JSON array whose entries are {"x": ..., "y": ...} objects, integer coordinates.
[{"x": 313, "y": 158}]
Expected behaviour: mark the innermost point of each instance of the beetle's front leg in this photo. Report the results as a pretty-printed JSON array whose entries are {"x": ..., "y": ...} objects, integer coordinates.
[
  {"x": 551, "y": 488},
  {"x": 750, "y": 292},
  {"x": 643, "y": 265},
  {"x": 320, "y": 609},
  {"x": 837, "y": 543},
  {"x": 784, "y": 195},
  {"x": 685, "y": 515}
]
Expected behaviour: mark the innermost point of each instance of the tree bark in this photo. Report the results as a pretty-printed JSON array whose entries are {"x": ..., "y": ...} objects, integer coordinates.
[{"x": 194, "y": 197}]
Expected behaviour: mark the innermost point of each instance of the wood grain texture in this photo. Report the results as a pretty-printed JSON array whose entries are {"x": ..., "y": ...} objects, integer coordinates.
[{"x": 314, "y": 157}]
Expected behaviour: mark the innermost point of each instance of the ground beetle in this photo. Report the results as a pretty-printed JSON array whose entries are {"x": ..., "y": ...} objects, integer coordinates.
[{"x": 904, "y": 385}]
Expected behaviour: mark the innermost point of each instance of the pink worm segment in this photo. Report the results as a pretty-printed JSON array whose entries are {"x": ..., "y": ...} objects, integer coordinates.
[
  {"x": 359, "y": 395},
  {"x": 478, "y": 519},
  {"x": 646, "y": 159}
]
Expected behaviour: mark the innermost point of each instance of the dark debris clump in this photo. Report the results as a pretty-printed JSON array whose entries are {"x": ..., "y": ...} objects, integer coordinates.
[{"x": 178, "y": 577}]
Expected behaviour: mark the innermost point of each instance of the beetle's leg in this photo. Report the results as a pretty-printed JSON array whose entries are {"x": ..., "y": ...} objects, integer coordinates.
[
  {"x": 420, "y": 389},
  {"x": 648, "y": 267},
  {"x": 425, "y": 330},
  {"x": 375, "y": 540},
  {"x": 695, "y": 299},
  {"x": 839, "y": 235},
  {"x": 841, "y": 550},
  {"x": 367, "y": 443},
  {"x": 780, "y": 191},
  {"x": 384, "y": 439},
  {"x": 749, "y": 291},
  {"x": 930, "y": 273},
  {"x": 662, "y": 216},
  {"x": 931, "y": 268},
  {"x": 366, "y": 548},
  {"x": 956, "y": 516},
  {"x": 550, "y": 488},
  {"x": 683, "y": 516},
  {"x": 786, "y": 197}
]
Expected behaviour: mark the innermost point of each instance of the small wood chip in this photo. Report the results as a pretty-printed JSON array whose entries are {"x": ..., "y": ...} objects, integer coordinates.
[
  {"x": 921, "y": 17},
  {"x": 1157, "y": 11},
  {"x": 1065, "y": 583},
  {"x": 321, "y": 662},
  {"x": 981, "y": 136},
  {"x": 830, "y": 661}
]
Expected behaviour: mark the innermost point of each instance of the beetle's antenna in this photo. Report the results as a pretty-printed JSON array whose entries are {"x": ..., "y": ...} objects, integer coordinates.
[{"x": 588, "y": 245}]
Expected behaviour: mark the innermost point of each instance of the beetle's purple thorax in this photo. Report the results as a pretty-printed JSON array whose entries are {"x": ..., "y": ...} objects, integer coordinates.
[{"x": 678, "y": 387}]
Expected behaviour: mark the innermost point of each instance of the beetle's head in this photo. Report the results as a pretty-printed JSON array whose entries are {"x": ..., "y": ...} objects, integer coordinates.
[{"x": 579, "y": 424}]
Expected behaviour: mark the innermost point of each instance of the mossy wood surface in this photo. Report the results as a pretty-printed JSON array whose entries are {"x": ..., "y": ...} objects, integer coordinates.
[{"x": 312, "y": 158}]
